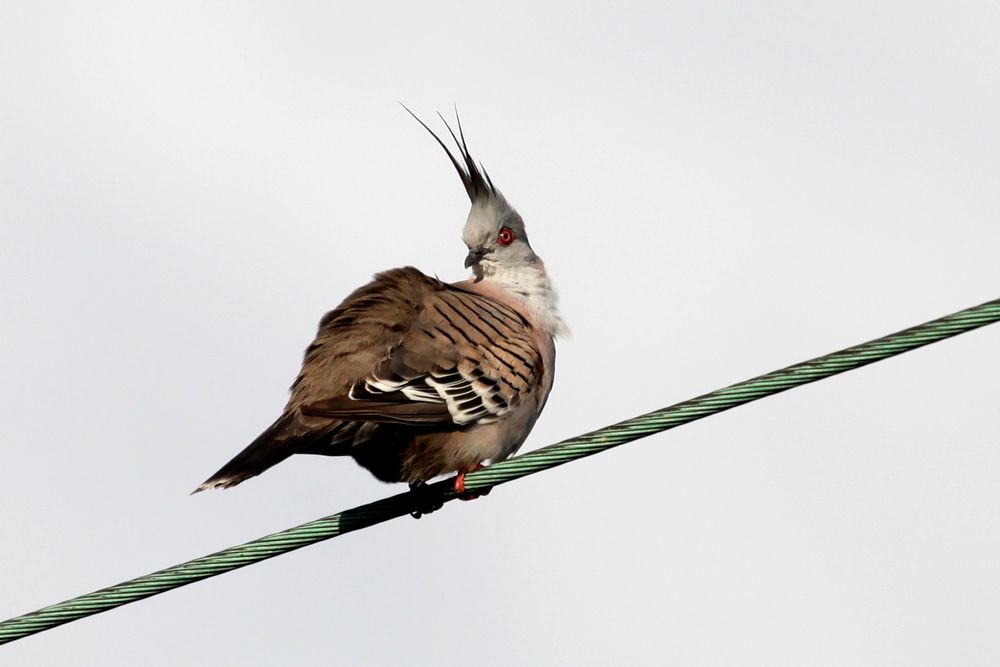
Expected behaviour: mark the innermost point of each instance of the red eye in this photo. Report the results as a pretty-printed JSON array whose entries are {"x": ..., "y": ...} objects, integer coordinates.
[{"x": 506, "y": 236}]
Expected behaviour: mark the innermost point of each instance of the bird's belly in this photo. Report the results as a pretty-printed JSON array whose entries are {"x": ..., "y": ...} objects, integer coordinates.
[{"x": 400, "y": 454}]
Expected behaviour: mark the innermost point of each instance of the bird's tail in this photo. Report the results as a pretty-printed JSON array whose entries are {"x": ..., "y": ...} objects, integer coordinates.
[{"x": 270, "y": 448}]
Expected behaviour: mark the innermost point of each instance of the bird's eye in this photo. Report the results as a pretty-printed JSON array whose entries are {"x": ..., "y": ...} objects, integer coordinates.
[{"x": 506, "y": 236}]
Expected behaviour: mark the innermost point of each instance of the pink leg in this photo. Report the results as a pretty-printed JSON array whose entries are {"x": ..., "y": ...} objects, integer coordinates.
[{"x": 460, "y": 484}]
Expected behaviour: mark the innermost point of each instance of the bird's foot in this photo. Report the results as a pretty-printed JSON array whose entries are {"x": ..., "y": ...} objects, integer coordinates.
[
  {"x": 460, "y": 485},
  {"x": 426, "y": 500}
]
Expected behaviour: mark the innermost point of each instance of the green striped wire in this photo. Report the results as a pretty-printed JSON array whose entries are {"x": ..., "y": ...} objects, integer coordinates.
[{"x": 499, "y": 473}]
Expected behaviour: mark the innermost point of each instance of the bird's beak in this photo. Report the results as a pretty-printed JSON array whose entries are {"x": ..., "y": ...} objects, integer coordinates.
[{"x": 475, "y": 256}]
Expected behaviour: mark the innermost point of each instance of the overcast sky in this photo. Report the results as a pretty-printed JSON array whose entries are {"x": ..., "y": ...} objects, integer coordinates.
[{"x": 718, "y": 190}]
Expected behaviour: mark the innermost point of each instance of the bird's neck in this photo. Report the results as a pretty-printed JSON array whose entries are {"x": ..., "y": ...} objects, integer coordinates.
[{"x": 531, "y": 285}]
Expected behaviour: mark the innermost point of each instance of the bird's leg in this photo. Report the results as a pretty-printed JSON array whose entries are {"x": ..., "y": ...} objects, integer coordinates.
[
  {"x": 426, "y": 500},
  {"x": 460, "y": 484}
]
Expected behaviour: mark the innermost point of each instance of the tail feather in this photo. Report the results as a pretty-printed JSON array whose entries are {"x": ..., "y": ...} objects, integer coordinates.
[{"x": 269, "y": 448}]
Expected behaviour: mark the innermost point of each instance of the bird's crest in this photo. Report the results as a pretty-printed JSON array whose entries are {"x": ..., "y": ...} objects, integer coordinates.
[{"x": 477, "y": 182}]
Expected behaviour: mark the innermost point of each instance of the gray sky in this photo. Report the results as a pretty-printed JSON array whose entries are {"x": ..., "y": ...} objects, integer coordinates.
[{"x": 718, "y": 189}]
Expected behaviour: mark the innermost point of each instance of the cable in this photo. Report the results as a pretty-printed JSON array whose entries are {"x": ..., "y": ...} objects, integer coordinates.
[{"x": 499, "y": 473}]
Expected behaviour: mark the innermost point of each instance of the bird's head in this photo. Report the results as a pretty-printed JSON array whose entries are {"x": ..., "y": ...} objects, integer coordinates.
[{"x": 494, "y": 232}]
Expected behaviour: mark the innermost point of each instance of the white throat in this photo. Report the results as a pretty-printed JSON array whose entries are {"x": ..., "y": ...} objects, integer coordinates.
[{"x": 531, "y": 284}]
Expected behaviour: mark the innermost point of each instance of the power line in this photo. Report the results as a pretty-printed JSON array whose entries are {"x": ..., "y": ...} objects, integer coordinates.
[{"x": 499, "y": 473}]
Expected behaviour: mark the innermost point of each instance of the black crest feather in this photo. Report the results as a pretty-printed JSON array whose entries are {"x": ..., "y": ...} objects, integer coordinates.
[{"x": 474, "y": 177}]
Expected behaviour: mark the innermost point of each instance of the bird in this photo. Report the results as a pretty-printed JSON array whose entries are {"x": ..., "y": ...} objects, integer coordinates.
[{"x": 416, "y": 378}]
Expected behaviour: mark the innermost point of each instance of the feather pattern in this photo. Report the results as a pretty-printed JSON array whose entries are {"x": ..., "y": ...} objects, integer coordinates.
[{"x": 470, "y": 353}]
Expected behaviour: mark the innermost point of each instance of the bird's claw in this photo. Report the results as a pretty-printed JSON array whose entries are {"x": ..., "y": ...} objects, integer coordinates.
[
  {"x": 460, "y": 485},
  {"x": 427, "y": 500}
]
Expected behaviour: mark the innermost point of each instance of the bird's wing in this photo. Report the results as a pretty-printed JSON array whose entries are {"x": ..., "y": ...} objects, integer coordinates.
[{"x": 462, "y": 358}]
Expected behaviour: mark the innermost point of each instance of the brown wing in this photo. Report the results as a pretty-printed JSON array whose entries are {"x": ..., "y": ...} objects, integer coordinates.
[{"x": 465, "y": 358}]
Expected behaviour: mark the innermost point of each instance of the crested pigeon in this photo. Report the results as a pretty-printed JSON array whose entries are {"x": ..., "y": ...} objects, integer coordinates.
[{"x": 416, "y": 378}]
